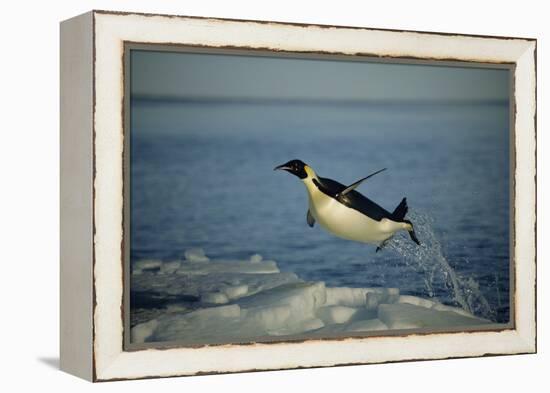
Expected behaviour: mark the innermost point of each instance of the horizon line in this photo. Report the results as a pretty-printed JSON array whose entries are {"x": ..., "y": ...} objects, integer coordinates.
[{"x": 311, "y": 101}]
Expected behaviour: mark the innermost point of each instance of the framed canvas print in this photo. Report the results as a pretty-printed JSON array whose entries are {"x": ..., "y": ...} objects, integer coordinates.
[{"x": 245, "y": 195}]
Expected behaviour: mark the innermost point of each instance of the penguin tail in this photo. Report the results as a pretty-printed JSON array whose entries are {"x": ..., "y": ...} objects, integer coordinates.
[
  {"x": 399, "y": 216},
  {"x": 400, "y": 211}
]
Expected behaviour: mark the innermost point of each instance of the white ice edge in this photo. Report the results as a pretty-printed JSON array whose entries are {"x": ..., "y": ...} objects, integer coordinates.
[{"x": 238, "y": 301}]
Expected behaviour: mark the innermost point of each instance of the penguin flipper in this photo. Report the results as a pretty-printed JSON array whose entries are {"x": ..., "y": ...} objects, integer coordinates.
[
  {"x": 356, "y": 184},
  {"x": 310, "y": 219}
]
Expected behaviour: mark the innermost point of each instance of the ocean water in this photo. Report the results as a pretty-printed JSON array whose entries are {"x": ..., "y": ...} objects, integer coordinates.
[{"x": 202, "y": 176}]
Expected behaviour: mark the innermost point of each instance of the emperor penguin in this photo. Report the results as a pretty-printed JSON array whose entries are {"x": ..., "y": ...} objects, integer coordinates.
[{"x": 345, "y": 212}]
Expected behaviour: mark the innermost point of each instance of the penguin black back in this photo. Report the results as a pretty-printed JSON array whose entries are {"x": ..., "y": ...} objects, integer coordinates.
[{"x": 352, "y": 199}]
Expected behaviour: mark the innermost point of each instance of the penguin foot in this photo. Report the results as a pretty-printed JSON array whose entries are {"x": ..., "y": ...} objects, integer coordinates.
[
  {"x": 413, "y": 237},
  {"x": 412, "y": 234},
  {"x": 382, "y": 245}
]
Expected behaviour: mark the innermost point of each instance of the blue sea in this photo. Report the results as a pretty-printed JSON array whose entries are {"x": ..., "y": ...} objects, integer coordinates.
[{"x": 202, "y": 176}]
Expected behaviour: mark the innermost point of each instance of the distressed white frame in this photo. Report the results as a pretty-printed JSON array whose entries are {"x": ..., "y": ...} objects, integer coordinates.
[{"x": 111, "y": 30}]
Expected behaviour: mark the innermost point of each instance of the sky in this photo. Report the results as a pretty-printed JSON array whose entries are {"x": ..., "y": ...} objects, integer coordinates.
[{"x": 192, "y": 75}]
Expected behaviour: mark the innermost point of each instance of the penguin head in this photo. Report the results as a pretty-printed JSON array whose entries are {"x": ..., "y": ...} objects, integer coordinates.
[{"x": 296, "y": 167}]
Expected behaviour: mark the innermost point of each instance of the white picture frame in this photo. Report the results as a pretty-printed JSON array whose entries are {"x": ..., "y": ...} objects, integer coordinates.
[{"x": 92, "y": 194}]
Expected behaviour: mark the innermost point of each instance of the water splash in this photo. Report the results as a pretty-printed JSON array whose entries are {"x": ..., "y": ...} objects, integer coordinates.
[{"x": 429, "y": 260}]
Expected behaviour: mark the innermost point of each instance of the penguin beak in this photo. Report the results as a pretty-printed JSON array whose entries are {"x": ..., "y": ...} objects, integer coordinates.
[
  {"x": 282, "y": 168},
  {"x": 295, "y": 167}
]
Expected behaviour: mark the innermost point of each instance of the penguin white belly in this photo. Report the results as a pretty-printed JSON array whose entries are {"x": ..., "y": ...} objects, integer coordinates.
[{"x": 349, "y": 223}]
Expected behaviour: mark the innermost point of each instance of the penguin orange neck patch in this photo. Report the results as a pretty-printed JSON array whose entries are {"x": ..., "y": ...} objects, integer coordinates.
[{"x": 310, "y": 172}]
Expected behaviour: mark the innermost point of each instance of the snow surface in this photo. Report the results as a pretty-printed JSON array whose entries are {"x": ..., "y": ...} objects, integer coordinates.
[{"x": 197, "y": 300}]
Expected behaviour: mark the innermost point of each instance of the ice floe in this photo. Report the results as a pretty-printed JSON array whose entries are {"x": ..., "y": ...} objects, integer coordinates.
[{"x": 199, "y": 301}]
